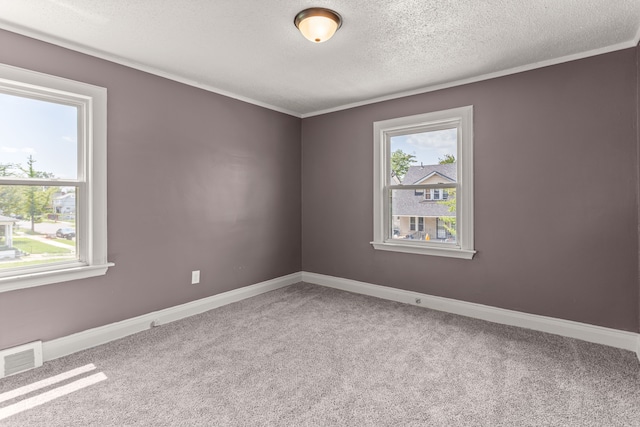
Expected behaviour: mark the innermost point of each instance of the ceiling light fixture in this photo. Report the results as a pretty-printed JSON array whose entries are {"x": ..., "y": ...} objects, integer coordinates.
[{"x": 318, "y": 24}]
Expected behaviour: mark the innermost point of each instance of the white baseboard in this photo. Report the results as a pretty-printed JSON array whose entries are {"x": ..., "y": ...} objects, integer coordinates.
[
  {"x": 93, "y": 337},
  {"x": 567, "y": 328}
]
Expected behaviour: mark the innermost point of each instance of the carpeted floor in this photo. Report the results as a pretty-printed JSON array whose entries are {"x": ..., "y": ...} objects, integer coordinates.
[{"x": 307, "y": 355}]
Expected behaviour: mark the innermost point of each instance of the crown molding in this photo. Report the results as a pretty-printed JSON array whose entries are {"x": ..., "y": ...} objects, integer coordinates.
[
  {"x": 190, "y": 82},
  {"x": 488, "y": 76},
  {"x": 138, "y": 66}
]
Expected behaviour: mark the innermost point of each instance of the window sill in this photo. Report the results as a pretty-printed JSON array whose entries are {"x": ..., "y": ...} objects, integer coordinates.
[
  {"x": 420, "y": 249},
  {"x": 30, "y": 280}
]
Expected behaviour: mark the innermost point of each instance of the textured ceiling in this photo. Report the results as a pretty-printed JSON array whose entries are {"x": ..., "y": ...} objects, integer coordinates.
[{"x": 252, "y": 51}]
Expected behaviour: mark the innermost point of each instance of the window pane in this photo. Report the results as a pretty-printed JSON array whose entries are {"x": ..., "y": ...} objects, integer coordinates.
[
  {"x": 423, "y": 158},
  {"x": 37, "y": 225},
  {"x": 436, "y": 218},
  {"x": 46, "y": 150}
]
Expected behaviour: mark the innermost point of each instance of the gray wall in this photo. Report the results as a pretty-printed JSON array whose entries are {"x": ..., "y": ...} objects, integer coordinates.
[
  {"x": 195, "y": 181},
  {"x": 556, "y": 179},
  {"x": 201, "y": 181}
]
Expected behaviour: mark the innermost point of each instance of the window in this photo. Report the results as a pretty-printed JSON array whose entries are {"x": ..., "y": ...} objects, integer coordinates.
[
  {"x": 423, "y": 167},
  {"x": 434, "y": 194},
  {"x": 52, "y": 179}
]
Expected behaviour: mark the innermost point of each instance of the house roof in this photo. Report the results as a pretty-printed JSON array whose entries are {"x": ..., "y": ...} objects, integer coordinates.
[
  {"x": 407, "y": 203},
  {"x": 415, "y": 174},
  {"x": 6, "y": 219}
]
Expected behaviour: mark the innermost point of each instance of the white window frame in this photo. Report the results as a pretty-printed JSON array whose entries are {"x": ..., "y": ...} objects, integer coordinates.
[
  {"x": 460, "y": 118},
  {"x": 91, "y": 182}
]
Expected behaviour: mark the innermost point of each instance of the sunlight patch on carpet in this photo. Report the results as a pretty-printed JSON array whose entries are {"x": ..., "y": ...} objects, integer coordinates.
[
  {"x": 45, "y": 383},
  {"x": 50, "y": 395}
]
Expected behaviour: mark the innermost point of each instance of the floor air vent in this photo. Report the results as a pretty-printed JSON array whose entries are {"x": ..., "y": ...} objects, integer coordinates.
[{"x": 21, "y": 358}]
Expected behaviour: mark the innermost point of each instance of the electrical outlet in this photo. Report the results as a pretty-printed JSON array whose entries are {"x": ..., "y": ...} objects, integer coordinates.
[{"x": 195, "y": 277}]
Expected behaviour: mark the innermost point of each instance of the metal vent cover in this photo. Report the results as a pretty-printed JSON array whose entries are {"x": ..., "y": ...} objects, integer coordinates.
[{"x": 21, "y": 358}]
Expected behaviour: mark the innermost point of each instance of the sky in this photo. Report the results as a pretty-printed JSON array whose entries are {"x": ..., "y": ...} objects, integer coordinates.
[
  {"x": 45, "y": 130},
  {"x": 428, "y": 147}
]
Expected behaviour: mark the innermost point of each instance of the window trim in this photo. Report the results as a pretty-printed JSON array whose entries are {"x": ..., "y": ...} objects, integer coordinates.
[
  {"x": 92, "y": 225},
  {"x": 383, "y": 130}
]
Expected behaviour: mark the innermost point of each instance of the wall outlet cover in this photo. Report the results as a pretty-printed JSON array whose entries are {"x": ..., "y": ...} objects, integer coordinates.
[{"x": 195, "y": 277}]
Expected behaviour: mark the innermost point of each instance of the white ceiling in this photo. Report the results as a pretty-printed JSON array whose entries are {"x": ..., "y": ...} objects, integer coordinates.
[{"x": 251, "y": 50}]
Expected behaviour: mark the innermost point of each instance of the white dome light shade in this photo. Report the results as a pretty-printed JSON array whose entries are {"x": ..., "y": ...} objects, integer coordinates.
[
  {"x": 317, "y": 28},
  {"x": 317, "y": 24}
]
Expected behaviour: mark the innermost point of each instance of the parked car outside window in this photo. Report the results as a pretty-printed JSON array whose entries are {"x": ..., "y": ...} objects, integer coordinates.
[{"x": 66, "y": 233}]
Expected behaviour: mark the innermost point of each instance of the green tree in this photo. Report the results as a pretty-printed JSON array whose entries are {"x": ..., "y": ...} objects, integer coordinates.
[
  {"x": 10, "y": 199},
  {"x": 9, "y": 194},
  {"x": 37, "y": 200},
  {"x": 400, "y": 162},
  {"x": 26, "y": 200},
  {"x": 448, "y": 158},
  {"x": 6, "y": 169},
  {"x": 449, "y": 222},
  {"x": 30, "y": 171}
]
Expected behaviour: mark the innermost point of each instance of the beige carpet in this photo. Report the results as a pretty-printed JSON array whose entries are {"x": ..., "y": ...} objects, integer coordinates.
[{"x": 306, "y": 355}]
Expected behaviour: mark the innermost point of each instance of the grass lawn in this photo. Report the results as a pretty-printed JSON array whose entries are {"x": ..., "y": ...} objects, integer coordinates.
[
  {"x": 65, "y": 241},
  {"x": 36, "y": 247}
]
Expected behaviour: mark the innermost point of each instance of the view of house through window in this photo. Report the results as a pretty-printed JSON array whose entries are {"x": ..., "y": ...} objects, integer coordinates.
[
  {"x": 426, "y": 161},
  {"x": 38, "y": 167}
]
